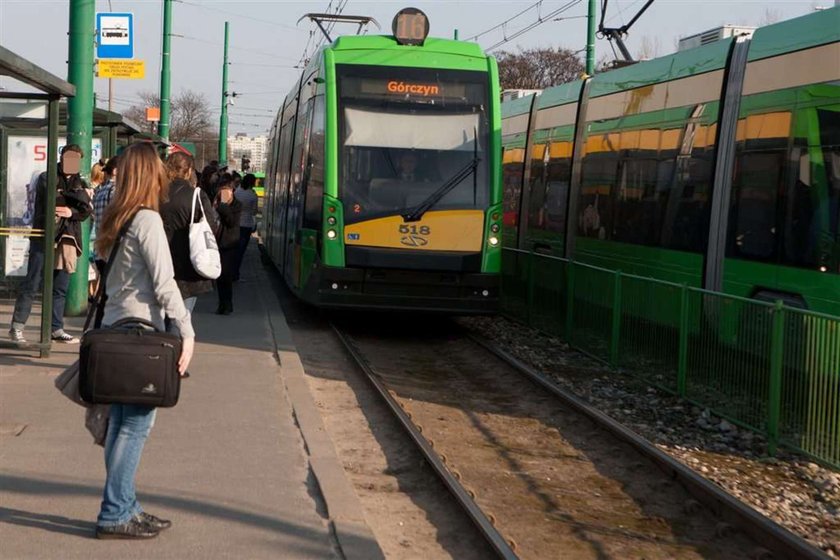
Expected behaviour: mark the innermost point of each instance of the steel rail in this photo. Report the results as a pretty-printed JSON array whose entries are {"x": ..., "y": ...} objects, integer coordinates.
[
  {"x": 780, "y": 542},
  {"x": 481, "y": 521}
]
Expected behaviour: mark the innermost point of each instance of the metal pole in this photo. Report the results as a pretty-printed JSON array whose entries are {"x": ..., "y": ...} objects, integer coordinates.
[
  {"x": 110, "y": 94},
  {"x": 80, "y": 128},
  {"x": 223, "y": 120},
  {"x": 49, "y": 227},
  {"x": 590, "y": 38},
  {"x": 163, "y": 126}
]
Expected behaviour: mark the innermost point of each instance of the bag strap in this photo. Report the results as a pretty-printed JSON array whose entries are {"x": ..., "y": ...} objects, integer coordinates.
[
  {"x": 197, "y": 198},
  {"x": 97, "y": 310}
]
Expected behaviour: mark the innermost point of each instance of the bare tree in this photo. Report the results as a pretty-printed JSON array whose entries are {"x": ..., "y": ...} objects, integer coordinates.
[
  {"x": 770, "y": 17},
  {"x": 190, "y": 120},
  {"x": 650, "y": 48},
  {"x": 538, "y": 68}
]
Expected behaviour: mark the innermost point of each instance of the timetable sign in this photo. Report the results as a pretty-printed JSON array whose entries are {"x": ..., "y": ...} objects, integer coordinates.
[{"x": 114, "y": 35}]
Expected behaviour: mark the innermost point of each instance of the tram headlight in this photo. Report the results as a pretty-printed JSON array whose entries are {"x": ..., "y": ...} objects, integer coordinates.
[
  {"x": 494, "y": 228},
  {"x": 331, "y": 234},
  {"x": 331, "y": 220},
  {"x": 493, "y": 240}
]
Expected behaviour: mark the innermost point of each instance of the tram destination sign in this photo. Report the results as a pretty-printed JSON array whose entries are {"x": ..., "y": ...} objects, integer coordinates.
[
  {"x": 410, "y": 88},
  {"x": 114, "y": 35}
]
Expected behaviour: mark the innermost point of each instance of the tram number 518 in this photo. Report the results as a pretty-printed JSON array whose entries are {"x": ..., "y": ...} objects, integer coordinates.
[{"x": 421, "y": 230}]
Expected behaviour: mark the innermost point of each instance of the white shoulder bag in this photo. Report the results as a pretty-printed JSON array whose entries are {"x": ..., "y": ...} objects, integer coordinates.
[{"x": 204, "y": 251}]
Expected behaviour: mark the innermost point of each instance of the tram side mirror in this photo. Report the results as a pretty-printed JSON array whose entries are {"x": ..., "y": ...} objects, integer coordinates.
[{"x": 71, "y": 163}]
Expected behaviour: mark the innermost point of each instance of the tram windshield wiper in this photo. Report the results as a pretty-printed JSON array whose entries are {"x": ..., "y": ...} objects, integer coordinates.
[{"x": 417, "y": 212}]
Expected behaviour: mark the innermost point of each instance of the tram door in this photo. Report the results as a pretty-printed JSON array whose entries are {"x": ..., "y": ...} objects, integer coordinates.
[{"x": 294, "y": 214}]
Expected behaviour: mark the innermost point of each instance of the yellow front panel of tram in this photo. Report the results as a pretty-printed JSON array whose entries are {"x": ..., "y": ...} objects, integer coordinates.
[{"x": 443, "y": 230}]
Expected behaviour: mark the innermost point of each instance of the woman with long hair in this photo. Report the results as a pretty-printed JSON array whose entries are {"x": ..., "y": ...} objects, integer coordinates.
[
  {"x": 176, "y": 222},
  {"x": 140, "y": 284}
]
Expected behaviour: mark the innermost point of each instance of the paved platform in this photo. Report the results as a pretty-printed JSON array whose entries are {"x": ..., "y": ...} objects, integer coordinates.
[{"x": 241, "y": 465}]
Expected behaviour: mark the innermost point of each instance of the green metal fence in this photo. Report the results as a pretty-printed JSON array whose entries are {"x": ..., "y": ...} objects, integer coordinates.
[{"x": 764, "y": 366}]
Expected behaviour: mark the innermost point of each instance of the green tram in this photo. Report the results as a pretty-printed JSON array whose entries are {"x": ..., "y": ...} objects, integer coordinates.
[
  {"x": 383, "y": 187},
  {"x": 716, "y": 167}
]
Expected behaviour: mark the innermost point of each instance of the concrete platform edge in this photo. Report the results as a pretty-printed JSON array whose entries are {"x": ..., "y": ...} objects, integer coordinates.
[{"x": 344, "y": 510}]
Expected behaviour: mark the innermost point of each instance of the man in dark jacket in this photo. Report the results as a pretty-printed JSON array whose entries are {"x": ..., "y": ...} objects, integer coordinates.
[{"x": 72, "y": 207}]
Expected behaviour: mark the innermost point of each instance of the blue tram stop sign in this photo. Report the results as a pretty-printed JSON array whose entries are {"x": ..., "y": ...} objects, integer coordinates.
[{"x": 114, "y": 35}]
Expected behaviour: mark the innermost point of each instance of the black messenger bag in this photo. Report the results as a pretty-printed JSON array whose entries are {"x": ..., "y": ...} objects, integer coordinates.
[{"x": 130, "y": 362}]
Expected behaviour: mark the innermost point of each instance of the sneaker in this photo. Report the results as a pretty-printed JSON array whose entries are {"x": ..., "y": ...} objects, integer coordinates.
[
  {"x": 64, "y": 338},
  {"x": 153, "y": 521},
  {"x": 16, "y": 335},
  {"x": 133, "y": 529}
]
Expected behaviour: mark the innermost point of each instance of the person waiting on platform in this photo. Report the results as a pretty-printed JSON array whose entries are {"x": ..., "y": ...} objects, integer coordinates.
[
  {"x": 141, "y": 284},
  {"x": 72, "y": 207},
  {"x": 229, "y": 210},
  {"x": 247, "y": 222},
  {"x": 176, "y": 222}
]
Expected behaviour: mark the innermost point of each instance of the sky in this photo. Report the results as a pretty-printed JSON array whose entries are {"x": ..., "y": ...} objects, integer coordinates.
[{"x": 266, "y": 42}]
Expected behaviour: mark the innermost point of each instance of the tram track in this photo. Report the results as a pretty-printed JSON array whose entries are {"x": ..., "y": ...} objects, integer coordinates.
[{"x": 541, "y": 473}]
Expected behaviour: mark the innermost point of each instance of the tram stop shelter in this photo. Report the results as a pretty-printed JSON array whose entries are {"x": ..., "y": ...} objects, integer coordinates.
[{"x": 30, "y": 101}]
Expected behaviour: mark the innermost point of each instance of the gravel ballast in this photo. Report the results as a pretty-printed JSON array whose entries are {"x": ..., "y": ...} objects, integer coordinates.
[{"x": 793, "y": 491}]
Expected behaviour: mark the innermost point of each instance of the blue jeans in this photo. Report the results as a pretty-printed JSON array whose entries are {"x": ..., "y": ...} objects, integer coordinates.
[
  {"x": 32, "y": 284},
  {"x": 128, "y": 428}
]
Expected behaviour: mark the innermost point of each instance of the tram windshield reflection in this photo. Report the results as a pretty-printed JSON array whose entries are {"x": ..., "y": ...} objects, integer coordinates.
[{"x": 402, "y": 139}]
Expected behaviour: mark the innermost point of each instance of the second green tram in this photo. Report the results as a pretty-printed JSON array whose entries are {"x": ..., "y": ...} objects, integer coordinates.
[
  {"x": 716, "y": 167},
  {"x": 383, "y": 187}
]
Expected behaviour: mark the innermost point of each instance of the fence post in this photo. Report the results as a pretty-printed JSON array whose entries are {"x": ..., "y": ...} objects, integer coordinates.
[
  {"x": 530, "y": 294},
  {"x": 616, "y": 319},
  {"x": 776, "y": 362},
  {"x": 682, "y": 360},
  {"x": 570, "y": 299}
]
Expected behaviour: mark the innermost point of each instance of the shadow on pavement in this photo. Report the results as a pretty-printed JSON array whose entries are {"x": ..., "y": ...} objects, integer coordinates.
[
  {"x": 47, "y": 522},
  {"x": 56, "y": 489}
]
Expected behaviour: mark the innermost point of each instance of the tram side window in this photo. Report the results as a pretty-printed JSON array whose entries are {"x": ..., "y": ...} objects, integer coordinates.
[
  {"x": 536, "y": 198},
  {"x": 299, "y": 153},
  {"x": 512, "y": 170},
  {"x": 755, "y": 196},
  {"x": 812, "y": 210},
  {"x": 557, "y": 193},
  {"x": 685, "y": 223},
  {"x": 314, "y": 172},
  {"x": 637, "y": 202},
  {"x": 598, "y": 176}
]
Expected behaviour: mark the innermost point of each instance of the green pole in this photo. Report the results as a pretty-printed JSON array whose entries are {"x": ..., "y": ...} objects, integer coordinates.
[
  {"x": 223, "y": 120},
  {"x": 80, "y": 128},
  {"x": 590, "y": 38},
  {"x": 163, "y": 126},
  {"x": 49, "y": 226}
]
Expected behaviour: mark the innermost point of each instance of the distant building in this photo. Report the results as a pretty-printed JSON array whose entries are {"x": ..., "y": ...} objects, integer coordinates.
[{"x": 252, "y": 148}]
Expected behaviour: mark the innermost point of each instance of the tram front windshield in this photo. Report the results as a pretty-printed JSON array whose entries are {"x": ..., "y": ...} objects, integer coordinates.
[{"x": 405, "y": 133}]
